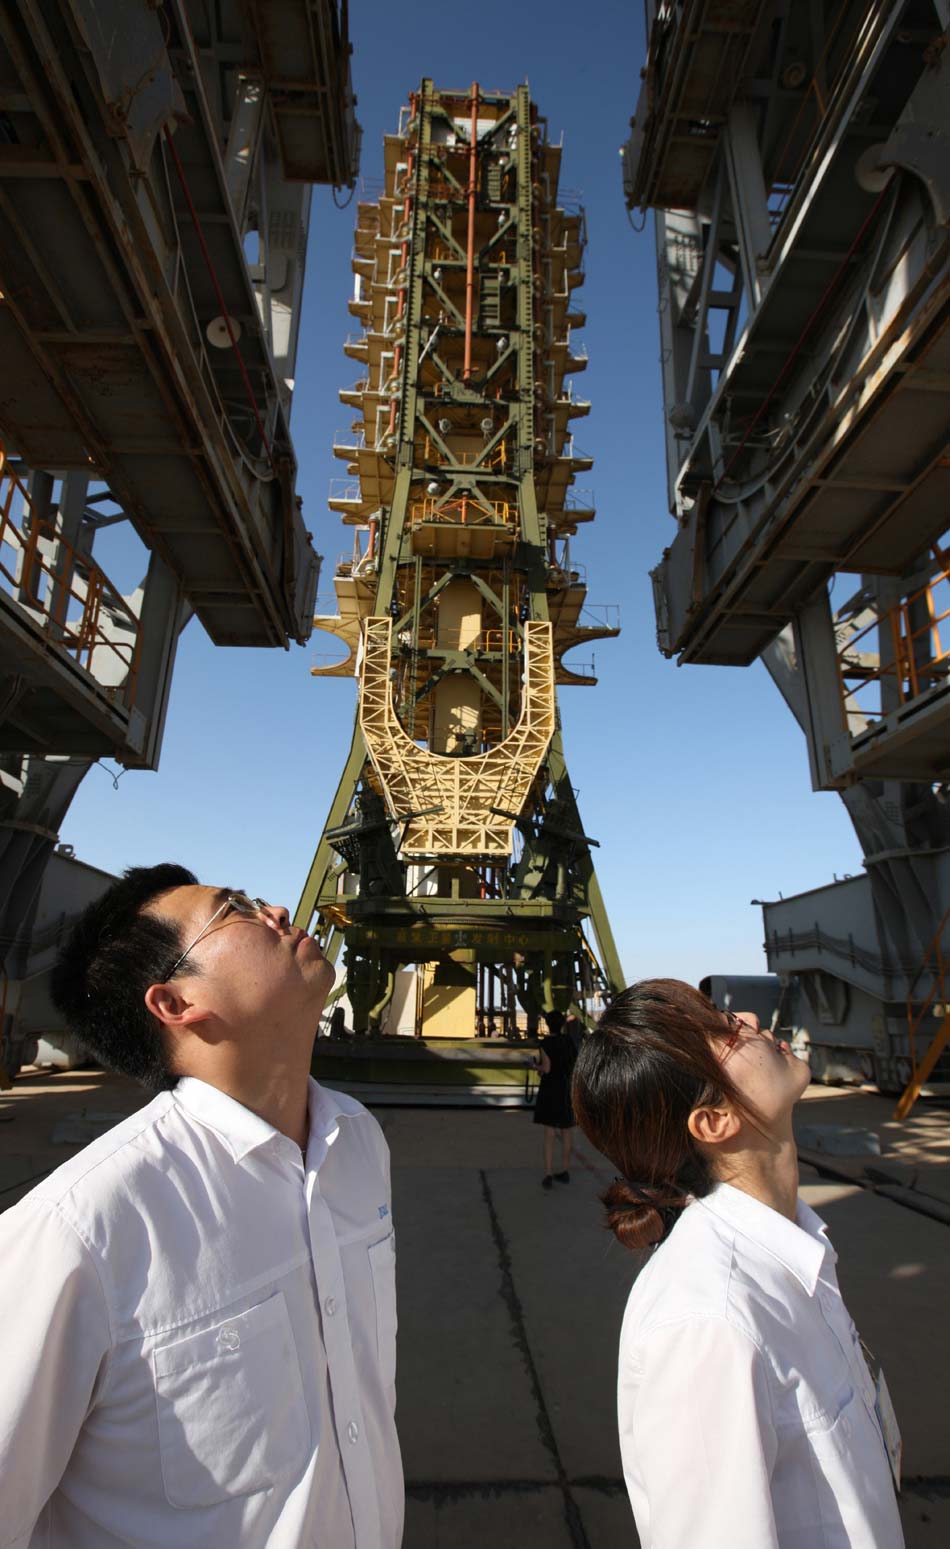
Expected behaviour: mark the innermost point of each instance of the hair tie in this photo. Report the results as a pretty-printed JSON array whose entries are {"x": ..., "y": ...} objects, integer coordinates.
[
  {"x": 644, "y": 1197},
  {"x": 640, "y": 1193}
]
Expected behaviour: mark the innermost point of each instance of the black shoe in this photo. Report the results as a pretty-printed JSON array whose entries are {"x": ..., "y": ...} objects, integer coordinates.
[
  {"x": 547, "y": 1181},
  {"x": 563, "y": 1177}
]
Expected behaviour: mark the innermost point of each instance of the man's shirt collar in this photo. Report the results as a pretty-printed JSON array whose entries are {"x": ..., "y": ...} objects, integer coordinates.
[
  {"x": 800, "y": 1246},
  {"x": 326, "y": 1108},
  {"x": 242, "y": 1131}
]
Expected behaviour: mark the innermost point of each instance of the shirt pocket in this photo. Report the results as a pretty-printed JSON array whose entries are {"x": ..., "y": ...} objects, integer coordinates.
[
  {"x": 818, "y": 1419},
  {"x": 232, "y": 1418},
  {"x": 382, "y": 1262}
]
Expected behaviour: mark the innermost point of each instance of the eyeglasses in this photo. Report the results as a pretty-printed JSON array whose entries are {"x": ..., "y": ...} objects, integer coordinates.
[
  {"x": 739, "y": 1030},
  {"x": 240, "y": 903}
]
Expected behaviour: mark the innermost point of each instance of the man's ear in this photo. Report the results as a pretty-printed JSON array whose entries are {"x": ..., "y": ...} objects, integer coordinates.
[
  {"x": 171, "y": 1008},
  {"x": 712, "y": 1125}
]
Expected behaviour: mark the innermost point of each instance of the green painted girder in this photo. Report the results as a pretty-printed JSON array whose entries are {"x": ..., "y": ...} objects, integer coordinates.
[{"x": 494, "y": 942}]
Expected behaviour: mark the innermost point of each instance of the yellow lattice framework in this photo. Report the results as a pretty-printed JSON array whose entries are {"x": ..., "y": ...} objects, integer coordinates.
[{"x": 466, "y": 804}]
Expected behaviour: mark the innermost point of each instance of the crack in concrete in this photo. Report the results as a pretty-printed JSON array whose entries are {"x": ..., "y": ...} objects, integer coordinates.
[
  {"x": 509, "y": 1295},
  {"x": 458, "y": 1489},
  {"x": 933, "y": 1487}
]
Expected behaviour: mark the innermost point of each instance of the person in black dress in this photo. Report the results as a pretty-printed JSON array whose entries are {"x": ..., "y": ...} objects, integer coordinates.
[{"x": 552, "y": 1106}]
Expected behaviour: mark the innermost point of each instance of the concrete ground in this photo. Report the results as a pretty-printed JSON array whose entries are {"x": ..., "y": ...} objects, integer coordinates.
[
  {"x": 510, "y": 1301},
  {"x": 913, "y": 1154}
]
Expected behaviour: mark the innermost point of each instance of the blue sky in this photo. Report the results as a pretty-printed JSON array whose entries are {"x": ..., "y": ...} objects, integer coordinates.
[{"x": 695, "y": 779}]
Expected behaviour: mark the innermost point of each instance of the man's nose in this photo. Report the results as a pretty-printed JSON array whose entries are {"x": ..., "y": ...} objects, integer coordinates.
[{"x": 279, "y": 914}]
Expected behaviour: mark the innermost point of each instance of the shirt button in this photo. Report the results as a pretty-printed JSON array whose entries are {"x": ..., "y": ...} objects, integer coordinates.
[
  {"x": 353, "y": 1431},
  {"x": 229, "y": 1339},
  {"x": 330, "y": 1306}
]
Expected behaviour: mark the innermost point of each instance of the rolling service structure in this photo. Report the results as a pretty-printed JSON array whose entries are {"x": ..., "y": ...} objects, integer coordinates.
[
  {"x": 454, "y": 869},
  {"x": 797, "y": 161},
  {"x": 156, "y": 163}
]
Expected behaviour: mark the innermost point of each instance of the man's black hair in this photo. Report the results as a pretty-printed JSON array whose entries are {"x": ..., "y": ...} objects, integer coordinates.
[{"x": 113, "y": 953}]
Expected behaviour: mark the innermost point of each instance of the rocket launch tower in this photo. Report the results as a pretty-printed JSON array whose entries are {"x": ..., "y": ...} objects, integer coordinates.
[{"x": 454, "y": 847}]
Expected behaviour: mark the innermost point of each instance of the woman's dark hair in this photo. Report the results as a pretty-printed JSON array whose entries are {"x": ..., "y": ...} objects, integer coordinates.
[
  {"x": 112, "y": 955},
  {"x": 648, "y": 1063}
]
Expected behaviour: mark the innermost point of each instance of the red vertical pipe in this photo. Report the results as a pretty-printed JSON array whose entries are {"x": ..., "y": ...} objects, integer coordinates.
[
  {"x": 470, "y": 255},
  {"x": 401, "y": 304}
]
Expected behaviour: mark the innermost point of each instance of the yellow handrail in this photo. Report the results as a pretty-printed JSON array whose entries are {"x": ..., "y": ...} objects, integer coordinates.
[
  {"x": 921, "y": 1072},
  {"x": 463, "y": 510},
  {"x": 908, "y": 671},
  {"x": 52, "y": 590}
]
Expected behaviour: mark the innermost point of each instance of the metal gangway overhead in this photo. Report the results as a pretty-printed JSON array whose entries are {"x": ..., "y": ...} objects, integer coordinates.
[
  {"x": 156, "y": 165},
  {"x": 797, "y": 161}
]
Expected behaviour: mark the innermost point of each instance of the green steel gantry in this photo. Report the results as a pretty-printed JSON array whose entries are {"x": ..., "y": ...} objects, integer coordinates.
[{"x": 454, "y": 844}]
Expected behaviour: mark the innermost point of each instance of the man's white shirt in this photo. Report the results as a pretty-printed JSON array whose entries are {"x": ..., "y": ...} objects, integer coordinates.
[
  {"x": 198, "y": 1336},
  {"x": 745, "y": 1404}
]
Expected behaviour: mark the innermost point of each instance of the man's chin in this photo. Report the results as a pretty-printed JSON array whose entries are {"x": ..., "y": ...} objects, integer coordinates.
[{"x": 320, "y": 974}]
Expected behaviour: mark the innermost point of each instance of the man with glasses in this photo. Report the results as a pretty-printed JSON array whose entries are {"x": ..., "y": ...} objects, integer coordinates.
[{"x": 197, "y": 1312}]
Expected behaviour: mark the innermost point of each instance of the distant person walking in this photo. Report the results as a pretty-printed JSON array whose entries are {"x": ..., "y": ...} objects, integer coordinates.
[
  {"x": 574, "y": 1028},
  {"x": 197, "y": 1312},
  {"x": 552, "y": 1105},
  {"x": 748, "y": 1416}
]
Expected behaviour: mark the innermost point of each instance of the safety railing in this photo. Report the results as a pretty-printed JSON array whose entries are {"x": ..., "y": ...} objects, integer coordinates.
[
  {"x": 563, "y": 570},
  {"x": 440, "y": 189},
  {"x": 469, "y": 512},
  {"x": 911, "y": 656},
  {"x": 486, "y": 642},
  {"x": 783, "y": 944},
  {"x": 571, "y": 201},
  {"x": 497, "y": 458},
  {"x": 345, "y": 490},
  {"x": 67, "y": 596},
  {"x": 349, "y": 440},
  {"x": 600, "y": 615}
]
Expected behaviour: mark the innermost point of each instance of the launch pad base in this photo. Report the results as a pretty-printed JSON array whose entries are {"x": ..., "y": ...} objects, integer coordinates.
[{"x": 429, "y": 1072}]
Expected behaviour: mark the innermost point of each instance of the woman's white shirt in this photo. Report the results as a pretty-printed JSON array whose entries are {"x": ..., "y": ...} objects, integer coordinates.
[{"x": 745, "y": 1404}]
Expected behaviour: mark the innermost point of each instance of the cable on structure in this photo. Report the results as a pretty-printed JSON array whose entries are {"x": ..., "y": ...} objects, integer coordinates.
[
  {"x": 199, "y": 232},
  {"x": 804, "y": 335}
]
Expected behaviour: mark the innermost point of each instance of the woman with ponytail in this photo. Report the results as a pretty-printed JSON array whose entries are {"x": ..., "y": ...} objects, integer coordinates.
[{"x": 748, "y": 1416}]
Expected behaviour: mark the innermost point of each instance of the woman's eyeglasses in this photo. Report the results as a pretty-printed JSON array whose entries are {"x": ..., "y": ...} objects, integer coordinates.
[{"x": 737, "y": 1030}]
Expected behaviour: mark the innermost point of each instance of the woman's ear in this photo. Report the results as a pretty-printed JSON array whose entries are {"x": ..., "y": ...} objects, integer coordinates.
[{"x": 713, "y": 1124}]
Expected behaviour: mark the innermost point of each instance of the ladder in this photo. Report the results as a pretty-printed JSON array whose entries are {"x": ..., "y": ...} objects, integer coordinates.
[
  {"x": 922, "y": 1072},
  {"x": 490, "y": 308}
]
